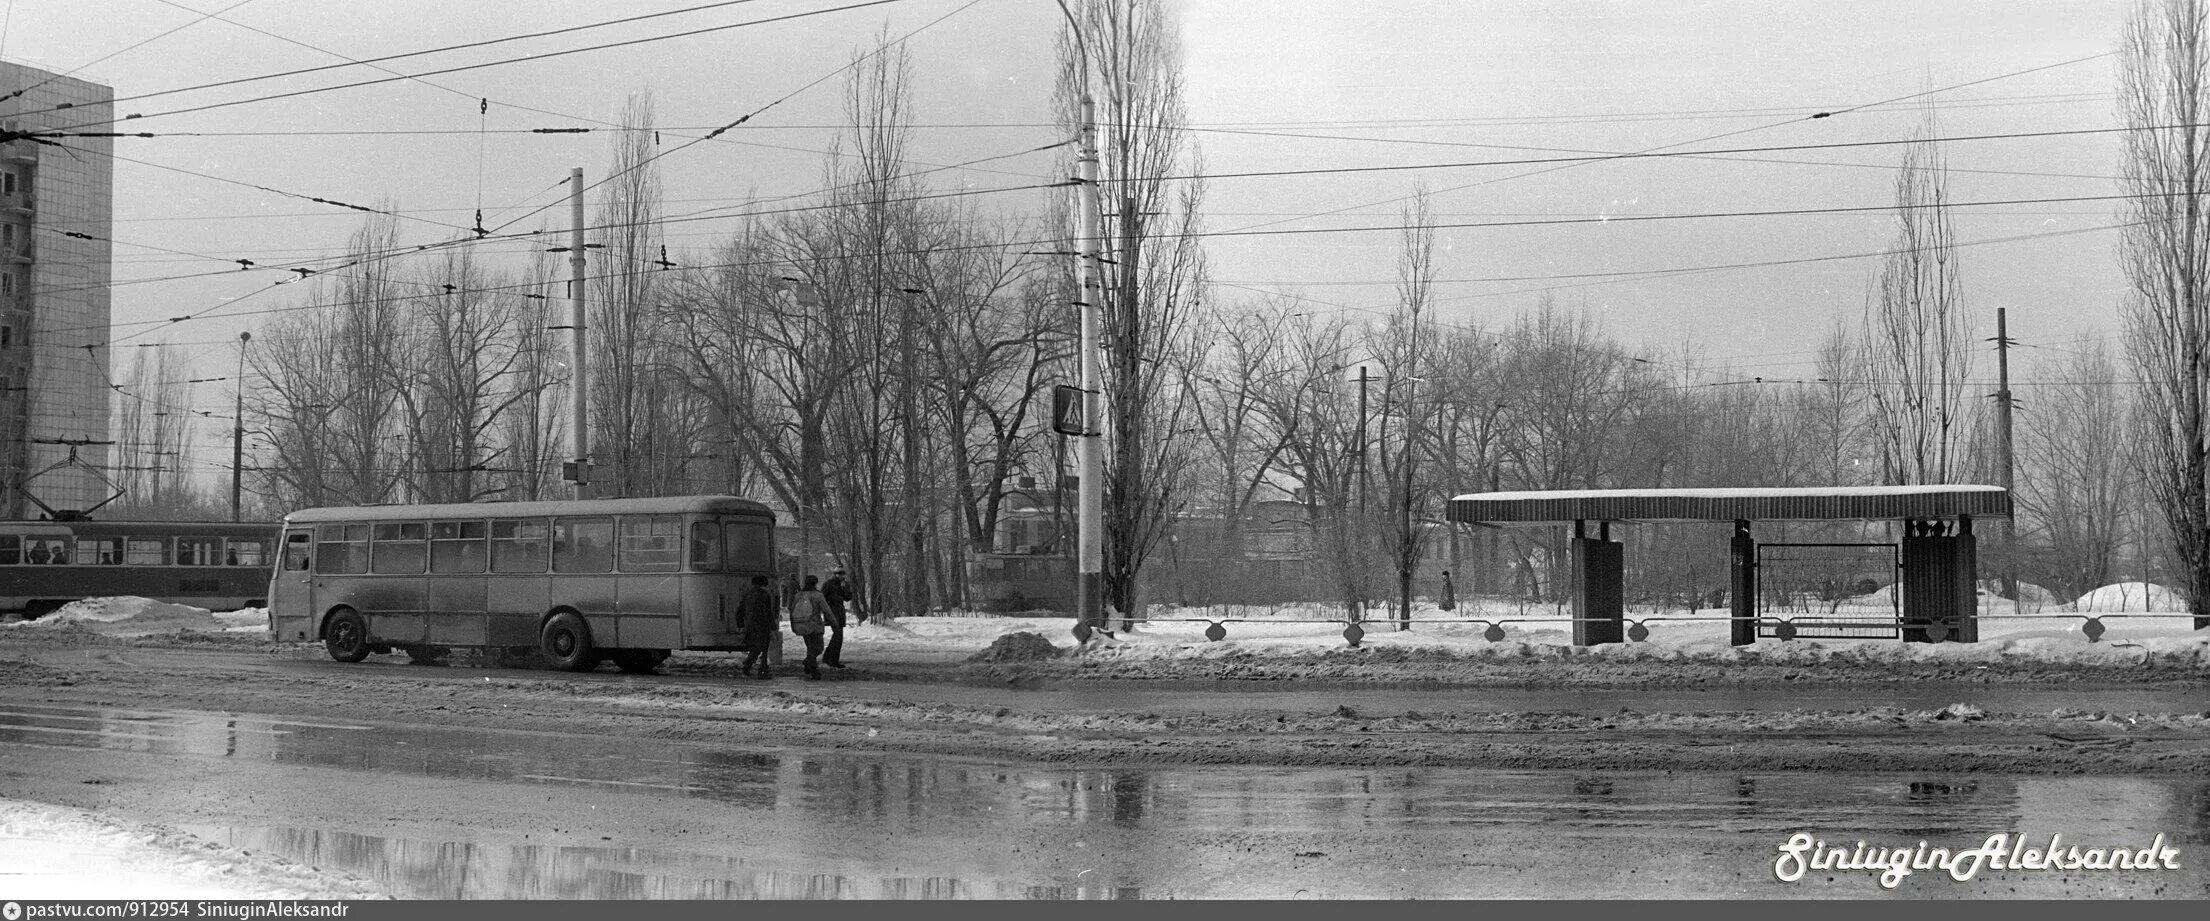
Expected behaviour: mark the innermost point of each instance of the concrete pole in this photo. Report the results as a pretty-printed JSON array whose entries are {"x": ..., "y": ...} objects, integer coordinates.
[
  {"x": 1090, "y": 520},
  {"x": 238, "y": 426},
  {"x": 579, "y": 392},
  {"x": 2003, "y": 423}
]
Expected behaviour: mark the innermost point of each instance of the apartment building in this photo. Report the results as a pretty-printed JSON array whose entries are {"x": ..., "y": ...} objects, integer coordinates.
[{"x": 56, "y": 208}]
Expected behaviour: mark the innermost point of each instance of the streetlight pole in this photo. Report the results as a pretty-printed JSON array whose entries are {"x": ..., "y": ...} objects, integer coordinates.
[
  {"x": 238, "y": 426},
  {"x": 1089, "y": 590}
]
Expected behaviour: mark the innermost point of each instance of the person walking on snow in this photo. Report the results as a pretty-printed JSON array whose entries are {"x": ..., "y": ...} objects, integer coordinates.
[
  {"x": 756, "y": 611},
  {"x": 809, "y": 613},
  {"x": 837, "y": 593}
]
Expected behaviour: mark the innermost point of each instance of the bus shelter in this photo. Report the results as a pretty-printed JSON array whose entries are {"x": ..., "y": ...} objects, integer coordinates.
[{"x": 1935, "y": 559}]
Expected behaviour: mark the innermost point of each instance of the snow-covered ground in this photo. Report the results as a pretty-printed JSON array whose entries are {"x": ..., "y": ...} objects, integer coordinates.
[
  {"x": 54, "y": 853},
  {"x": 51, "y": 852}
]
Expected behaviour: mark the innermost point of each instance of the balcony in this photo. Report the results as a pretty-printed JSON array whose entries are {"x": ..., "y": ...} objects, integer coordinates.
[{"x": 20, "y": 152}]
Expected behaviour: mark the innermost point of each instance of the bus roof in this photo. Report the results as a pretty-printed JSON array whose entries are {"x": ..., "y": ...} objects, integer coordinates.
[{"x": 656, "y": 505}]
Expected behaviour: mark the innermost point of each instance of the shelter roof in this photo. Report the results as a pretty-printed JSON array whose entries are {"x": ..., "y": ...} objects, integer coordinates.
[{"x": 1838, "y": 503}]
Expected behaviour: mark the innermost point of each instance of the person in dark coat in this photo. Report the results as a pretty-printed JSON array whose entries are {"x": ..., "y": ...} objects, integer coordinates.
[
  {"x": 837, "y": 593},
  {"x": 756, "y": 611},
  {"x": 809, "y": 615}
]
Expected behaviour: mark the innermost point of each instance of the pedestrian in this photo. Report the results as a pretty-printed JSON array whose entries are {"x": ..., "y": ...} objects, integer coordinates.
[
  {"x": 837, "y": 593},
  {"x": 809, "y": 614},
  {"x": 756, "y": 611}
]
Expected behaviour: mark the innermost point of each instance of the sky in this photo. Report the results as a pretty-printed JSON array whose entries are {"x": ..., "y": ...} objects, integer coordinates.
[{"x": 1370, "y": 101}]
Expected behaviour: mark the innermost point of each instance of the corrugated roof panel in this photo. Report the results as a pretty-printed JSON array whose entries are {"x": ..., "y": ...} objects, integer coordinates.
[{"x": 1777, "y": 504}]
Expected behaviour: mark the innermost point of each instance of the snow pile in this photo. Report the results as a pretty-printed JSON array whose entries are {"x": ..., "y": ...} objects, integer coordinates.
[
  {"x": 131, "y": 616},
  {"x": 2130, "y": 596},
  {"x": 2053, "y": 638},
  {"x": 56, "y": 853},
  {"x": 1017, "y": 647}
]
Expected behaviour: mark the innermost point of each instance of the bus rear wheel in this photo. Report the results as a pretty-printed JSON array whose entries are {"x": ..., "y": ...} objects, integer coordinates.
[
  {"x": 346, "y": 636},
  {"x": 566, "y": 643},
  {"x": 640, "y": 661}
]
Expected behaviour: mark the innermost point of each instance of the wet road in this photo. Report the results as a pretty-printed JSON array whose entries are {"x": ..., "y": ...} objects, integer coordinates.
[{"x": 540, "y": 815}]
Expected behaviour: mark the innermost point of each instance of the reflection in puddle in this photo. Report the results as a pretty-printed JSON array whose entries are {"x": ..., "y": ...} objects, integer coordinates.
[
  {"x": 818, "y": 825},
  {"x": 446, "y": 870}
]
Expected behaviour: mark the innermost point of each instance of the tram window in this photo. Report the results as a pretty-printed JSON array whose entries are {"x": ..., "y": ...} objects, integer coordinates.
[
  {"x": 99, "y": 551},
  {"x": 519, "y": 545},
  {"x": 247, "y": 553},
  {"x": 651, "y": 543},
  {"x": 11, "y": 549},
  {"x": 399, "y": 548},
  {"x": 146, "y": 551},
  {"x": 199, "y": 551},
  {"x": 705, "y": 546},
  {"x": 46, "y": 550},
  {"x": 750, "y": 545},
  {"x": 341, "y": 548},
  {"x": 457, "y": 546}
]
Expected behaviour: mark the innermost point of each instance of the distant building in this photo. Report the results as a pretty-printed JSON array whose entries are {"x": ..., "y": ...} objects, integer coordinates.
[{"x": 56, "y": 209}]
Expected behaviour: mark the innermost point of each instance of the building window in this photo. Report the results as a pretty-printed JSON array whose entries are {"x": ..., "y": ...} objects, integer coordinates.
[{"x": 7, "y": 183}]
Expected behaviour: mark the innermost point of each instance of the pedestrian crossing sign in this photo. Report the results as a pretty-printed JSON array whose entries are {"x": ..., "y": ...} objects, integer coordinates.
[{"x": 1066, "y": 410}]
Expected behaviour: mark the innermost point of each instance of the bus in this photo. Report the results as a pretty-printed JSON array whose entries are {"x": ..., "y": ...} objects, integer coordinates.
[
  {"x": 220, "y": 566},
  {"x": 580, "y": 581}
]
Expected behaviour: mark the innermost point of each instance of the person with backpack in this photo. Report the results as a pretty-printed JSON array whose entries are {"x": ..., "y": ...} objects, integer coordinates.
[
  {"x": 809, "y": 615},
  {"x": 837, "y": 593}
]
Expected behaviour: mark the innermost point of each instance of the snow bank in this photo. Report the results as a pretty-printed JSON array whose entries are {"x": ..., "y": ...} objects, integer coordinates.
[
  {"x": 2054, "y": 638},
  {"x": 134, "y": 616},
  {"x": 54, "y": 853},
  {"x": 2130, "y": 596}
]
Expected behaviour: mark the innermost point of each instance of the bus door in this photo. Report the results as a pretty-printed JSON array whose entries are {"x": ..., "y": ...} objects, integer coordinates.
[{"x": 291, "y": 590}]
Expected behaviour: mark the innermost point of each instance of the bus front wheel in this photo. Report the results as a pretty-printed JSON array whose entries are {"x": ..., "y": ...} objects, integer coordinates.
[
  {"x": 346, "y": 636},
  {"x": 566, "y": 643}
]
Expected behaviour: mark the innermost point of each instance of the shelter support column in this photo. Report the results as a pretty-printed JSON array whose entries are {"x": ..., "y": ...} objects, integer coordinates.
[
  {"x": 1742, "y": 587},
  {"x": 1599, "y": 580},
  {"x": 1940, "y": 575}
]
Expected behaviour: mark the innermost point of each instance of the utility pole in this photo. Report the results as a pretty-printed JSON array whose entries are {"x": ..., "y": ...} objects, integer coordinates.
[
  {"x": 238, "y": 425},
  {"x": 1408, "y": 558},
  {"x": 1089, "y": 586},
  {"x": 1365, "y": 483},
  {"x": 580, "y": 469},
  {"x": 2003, "y": 423}
]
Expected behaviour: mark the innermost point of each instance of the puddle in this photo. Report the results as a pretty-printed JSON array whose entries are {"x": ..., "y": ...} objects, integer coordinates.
[{"x": 803, "y": 824}]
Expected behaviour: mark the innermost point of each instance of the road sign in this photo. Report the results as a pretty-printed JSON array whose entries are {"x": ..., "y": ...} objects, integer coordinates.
[{"x": 1066, "y": 410}]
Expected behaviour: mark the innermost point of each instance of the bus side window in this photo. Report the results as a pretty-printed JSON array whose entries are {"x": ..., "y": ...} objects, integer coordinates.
[
  {"x": 11, "y": 549},
  {"x": 518, "y": 545},
  {"x": 583, "y": 545},
  {"x": 248, "y": 552},
  {"x": 298, "y": 551},
  {"x": 457, "y": 546}
]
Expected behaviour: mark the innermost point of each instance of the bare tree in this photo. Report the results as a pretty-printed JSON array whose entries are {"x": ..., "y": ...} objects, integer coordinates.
[
  {"x": 643, "y": 429},
  {"x": 2075, "y": 482},
  {"x": 151, "y": 463},
  {"x": 1407, "y": 343},
  {"x": 1918, "y": 340},
  {"x": 2164, "y": 97}
]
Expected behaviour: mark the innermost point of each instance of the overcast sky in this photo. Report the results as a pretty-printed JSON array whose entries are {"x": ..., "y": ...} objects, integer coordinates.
[{"x": 1272, "y": 85}]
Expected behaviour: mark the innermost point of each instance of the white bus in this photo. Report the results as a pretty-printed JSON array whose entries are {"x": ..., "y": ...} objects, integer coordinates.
[{"x": 582, "y": 581}]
